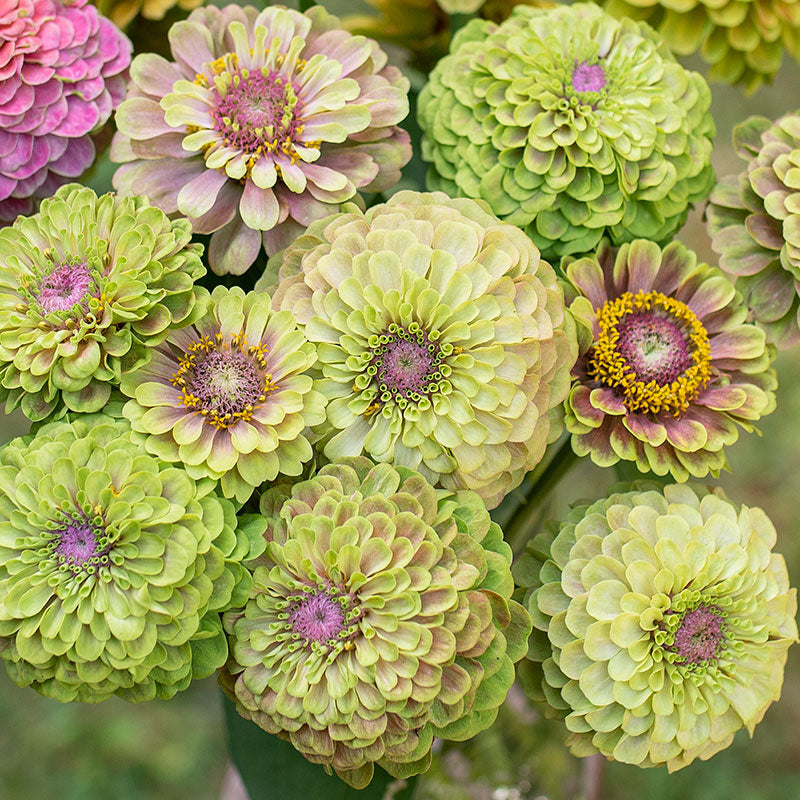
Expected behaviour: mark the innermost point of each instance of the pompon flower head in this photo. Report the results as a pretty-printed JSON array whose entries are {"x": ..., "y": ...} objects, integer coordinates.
[
  {"x": 62, "y": 71},
  {"x": 669, "y": 369},
  {"x": 114, "y": 567},
  {"x": 442, "y": 338},
  {"x": 571, "y": 125},
  {"x": 230, "y": 397},
  {"x": 742, "y": 42},
  {"x": 123, "y": 12},
  {"x": 754, "y": 221},
  {"x": 264, "y": 123},
  {"x": 380, "y": 617},
  {"x": 87, "y": 286},
  {"x": 662, "y": 621}
]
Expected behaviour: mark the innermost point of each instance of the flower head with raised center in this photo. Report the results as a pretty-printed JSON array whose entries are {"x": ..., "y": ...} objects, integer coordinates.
[
  {"x": 230, "y": 397},
  {"x": 63, "y": 68},
  {"x": 571, "y": 124},
  {"x": 442, "y": 338},
  {"x": 754, "y": 221},
  {"x": 662, "y": 620},
  {"x": 87, "y": 287},
  {"x": 264, "y": 123},
  {"x": 668, "y": 366},
  {"x": 113, "y": 581},
  {"x": 380, "y": 617}
]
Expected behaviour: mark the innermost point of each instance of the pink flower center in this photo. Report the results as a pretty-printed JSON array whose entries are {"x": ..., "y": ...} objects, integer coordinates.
[
  {"x": 588, "y": 77},
  {"x": 318, "y": 618},
  {"x": 654, "y": 346},
  {"x": 700, "y": 636},
  {"x": 79, "y": 541},
  {"x": 258, "y": 111},
  {"x": 226, "y": 381},
  {"x": 65, "y": 286},
  {"x": 406, "y": 363}
]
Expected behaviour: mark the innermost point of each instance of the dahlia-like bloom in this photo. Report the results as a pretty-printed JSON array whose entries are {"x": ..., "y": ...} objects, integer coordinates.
[
  {"x": 754, "y": 221},
  {"x": 87, "y": 287},
  {"x": 230, "y": 397},
  {"x": 114, "y": 566},
  {"x": 442, "y": 338},
  {"x": 662, "y": 620},
  {"x": 742, "y": 41},
  {"x": 62, "y": 72},
  {"x": 571, "y": 124},
  {"x": 264, "y": 123},
  {"x": 123, "y": 12},
  {"x": 668, "y": 370},
  {"x": 380, "y": 617}
]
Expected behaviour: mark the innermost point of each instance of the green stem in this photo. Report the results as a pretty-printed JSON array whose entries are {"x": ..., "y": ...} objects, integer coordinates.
[
  {"x": 458, "y": 21},
  {"x": 545, "y": 478}
]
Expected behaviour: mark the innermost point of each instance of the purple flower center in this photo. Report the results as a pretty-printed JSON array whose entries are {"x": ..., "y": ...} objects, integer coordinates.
[
  {"x": 259, "y": 110},
  {"x": 318, "y": 618},
  {"x": 654, "y": 346},
  {"x": 700, "y": 636},
  {"x": 588, "y": 77},
  {"x": 79, "y": 542},
  {"x": 65, "y": 286},
  {"x": 406, "y": 363}
]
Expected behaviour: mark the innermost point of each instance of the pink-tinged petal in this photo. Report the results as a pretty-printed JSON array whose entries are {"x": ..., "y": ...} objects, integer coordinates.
[
  {"x": 223, "y": 455},
  {"x": 191, "y": 44},
  {"x": 770, "y": 294},
  {"x": 328, "y": 179},
  {"x": 644, "y": 259},
  {"x": 223, "y": 210},
  {"x": 281, "y": 236},
  {"x": 233, "y": 248},
  {"x": 743, "y": 343},
  {"x": 676, "y": 263},
  {"x": 188, "y": 428},
  {"x": 586, "y": 274},
  {"x": 597, "y": 444},
  {"x": 153, "y": 74},
  {"x": 645, "y": 429},
  {"x": 581, "y": 405},
  {"x": 160, "y": 420},
  {"x": 714, "y": 293},
  {"x": 608, "y": 401},
  {"x": 148, "y": 179},
  {"x": 258, "y": 207},
  {"x": 765, "y": 230},
  {"x": 688, "y": 435},
  {"x": 76, "y": 158},
  {"x": 722, "y": 398},
  {"x": 140, "y": 118},
  {"x": 197, "y": 197},
  {"x": 81, "y": 118}
]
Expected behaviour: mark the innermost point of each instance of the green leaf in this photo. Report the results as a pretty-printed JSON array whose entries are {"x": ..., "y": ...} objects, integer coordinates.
[{"x": 273, "y": 770}]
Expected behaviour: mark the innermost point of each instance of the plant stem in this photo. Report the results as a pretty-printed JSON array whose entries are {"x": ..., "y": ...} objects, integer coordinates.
[
  {"x": 592, "y": 773},
  {"x": 458, "y": 21}
]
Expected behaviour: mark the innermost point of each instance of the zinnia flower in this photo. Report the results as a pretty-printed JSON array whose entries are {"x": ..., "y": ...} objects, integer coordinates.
[
  {"x": 668, "y": 370},
  {"x": 264, "y": 123},
  {"x": 87, "y": 286},
  {"x": 380, "y": 618},
  {"x": 663, "y": 618},
  {"x": 229, "y": 397},
  {"x": 742, "y": 41},
  {"x": 754, "y": 219},
  {"x": 114, "y": 567},
  {"x": 571, "y": 125},
  {"x": 62, "y": 72},
  {"x": 442, "y": 338}
]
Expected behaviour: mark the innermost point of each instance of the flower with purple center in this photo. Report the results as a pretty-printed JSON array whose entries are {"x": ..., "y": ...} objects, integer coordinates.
[
  {"x": 87, "y": 287},
  {"x": 264, "y": 123},
  {"x": 669, "y": 369},
  {"x": 380, "y": 617},
  {"x": 230, "y": 397},
  {"x": 662, "y": 621},
  {"x": 63, "y": 68}
]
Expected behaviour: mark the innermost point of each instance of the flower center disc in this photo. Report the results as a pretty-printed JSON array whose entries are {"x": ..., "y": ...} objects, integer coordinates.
[
  {"x": 63, "y": 287},
  {"x": 700, "y": 636},
  {"x": 318, "y": 618},
  {"x": 652, "y": 350},
  {"x": 588, "y": 77},
  {"x": 405, "y": 364},
  {"x": 78, "y": 542}
]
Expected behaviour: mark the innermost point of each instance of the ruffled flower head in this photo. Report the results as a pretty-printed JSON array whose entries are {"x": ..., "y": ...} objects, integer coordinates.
[
  {"x": 442, "y": 338},
  {"x": 571, "y": 125},
  {"x": 662, "y": 620},
  {"x": 264, "y": 123},
  {"x": 380, "y": 617},
  {"x": 669, "y": 370},
  {"x": 754, "y": 219},
  {"x": 62, "y": 71},
  {"x": 114, "y": 567},
  {"x": 87, "y": 287},
  {"x": 230, "y": 397}
]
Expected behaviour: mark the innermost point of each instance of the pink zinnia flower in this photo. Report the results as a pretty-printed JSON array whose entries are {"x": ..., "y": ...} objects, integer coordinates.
[{"x": 62, "y": 72}]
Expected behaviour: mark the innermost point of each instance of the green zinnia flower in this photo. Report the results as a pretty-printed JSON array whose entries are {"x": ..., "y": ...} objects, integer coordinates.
[
  {"x": 570, "y": 124},
  {"x": 663, "y": 622},
  {"x": 380, "y": 618},
  {"x": 230, "y": 397},
  {"x": 114, "y": 567},
  {"x": 754, "y": 219},
  {"x": 442, "y": 338},
  {"x": 87, "y": 286}
]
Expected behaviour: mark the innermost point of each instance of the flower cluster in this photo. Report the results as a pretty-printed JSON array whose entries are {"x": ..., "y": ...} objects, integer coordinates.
[
  {"x": 662, "y": 622},
  {"x": 380, "y": 617},
  {"x": 62, "y": 72},
  {"x": 754, "y": 219},
  {"x": 262, "y": 124}
]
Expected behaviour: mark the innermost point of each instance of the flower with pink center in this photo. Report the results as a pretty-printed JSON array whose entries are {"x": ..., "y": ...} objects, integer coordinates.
[
  {"x": 62, "y": 71},
  {"x": 263, "y": 123}
]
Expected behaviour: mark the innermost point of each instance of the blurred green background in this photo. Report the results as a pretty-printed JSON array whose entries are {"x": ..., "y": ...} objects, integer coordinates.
[{"x": 176, "y": 750}]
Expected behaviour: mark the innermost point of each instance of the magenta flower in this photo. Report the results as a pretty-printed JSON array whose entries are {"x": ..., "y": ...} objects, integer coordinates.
[
  {"x": 62, "y": 72},
  {"x": 263, "y": 123}
]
